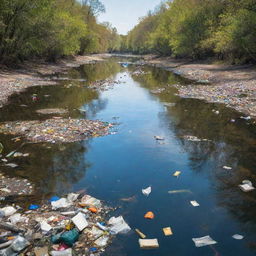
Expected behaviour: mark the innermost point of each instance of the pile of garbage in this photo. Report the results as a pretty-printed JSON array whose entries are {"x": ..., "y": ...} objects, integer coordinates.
[
  {"x": 104, "y": 85},
  {"x": 139, "y": 72},
  {"x": 56, "y": 130},
  {"x": 157, "y": 91},
  {"x": 72, "y": 225},
  {"x": 14, "y": 186},
  {"x": 48, "y": 111},
  {"x": 193, "y": 138},
  {"x": 240, "y": 96}
]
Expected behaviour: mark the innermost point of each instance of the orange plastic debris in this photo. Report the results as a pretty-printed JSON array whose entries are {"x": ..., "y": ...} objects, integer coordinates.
[
  {"x": 149, "y": 215},
  {"x": 82, "y": 204},
  {"x": 11, "y": 237},
  {"x": 93, "y": 209}
]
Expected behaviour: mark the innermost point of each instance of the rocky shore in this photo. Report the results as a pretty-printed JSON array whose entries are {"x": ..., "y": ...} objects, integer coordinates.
[
  {"x": 34, "y": 74},
  {"x": 234, "y": 86}
]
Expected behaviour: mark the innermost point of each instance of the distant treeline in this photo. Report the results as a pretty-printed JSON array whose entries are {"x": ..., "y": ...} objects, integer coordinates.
[
  {"x": 197, "y": 29},
  {"x": 52, "y": 29}
]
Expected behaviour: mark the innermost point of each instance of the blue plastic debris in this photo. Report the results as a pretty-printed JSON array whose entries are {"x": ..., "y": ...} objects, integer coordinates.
[
  {"x": 125, "y": 65},
  {"x": 33, "y": 207},
  {"x": 93, "y": 249},
  {"x": 54, "y": 199}
]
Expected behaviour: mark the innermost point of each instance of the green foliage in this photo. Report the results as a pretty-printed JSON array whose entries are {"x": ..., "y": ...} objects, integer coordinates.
[
  {"x": 198, "y": 29},
  {"x": 52, "y": 29},
  {"x": 235, "y": 37}
]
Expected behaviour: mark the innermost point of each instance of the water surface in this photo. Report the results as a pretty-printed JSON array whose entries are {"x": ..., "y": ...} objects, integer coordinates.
[{"x": 118, "y": 166}]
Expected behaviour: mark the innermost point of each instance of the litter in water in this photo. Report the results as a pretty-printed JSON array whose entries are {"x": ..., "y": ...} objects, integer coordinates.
[
  {"x": 149, "y": 215},
  {"x": 195, "y": 203},
  {"x": 227, "y": 167},
  {"x": 177, "y": 174},
  {"x": 179, "y": 191},
  {"x": 238, "y": 237},
  {"x": 148, "y": 243},
  {"x": 203, "y": 241},
  {"x": 143, "y": 236},
  {"x": 146, "y": 191},
  {"x": 246, "y": 186},
  {"x": 159, "y": 137},
  {"x": 167, "y": 231}
]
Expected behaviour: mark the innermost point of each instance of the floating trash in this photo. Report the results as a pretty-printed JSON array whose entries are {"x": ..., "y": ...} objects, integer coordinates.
[
  {"x": 246, "y": 186},
  {"x": 159, "y": 137},
  {"x": 167, "y": 231},
  {"x": 146, "y": 191},
  {"x": 148, "y": 243},
  {"x": 141, "y": 235},
  {"x": 149, "y": 215},
  {"x": 179, "y": 191},
  {"x": 203, "y": 241},
  {"x": 177, "y": 174},
  {"x": 227, "y": 167},
  {"x": 195, "y": 203},
  {"x": 238, "y": 237}
]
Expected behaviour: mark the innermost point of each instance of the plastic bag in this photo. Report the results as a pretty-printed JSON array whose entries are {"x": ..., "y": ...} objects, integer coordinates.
[
  {"x": 146, "y": 191},
  {"x": 8, "y": 211},
  {"x": 102, "y": 241},
  {"x": 92, "y": 201},
  {"x": 61, "y": 203},
  {"x": 67, "y": 252},
  {"x": 203, "y": 241},
  {"x": 18, "y": 245},
  {"x": 17, "y": 218},
  {"x": 96, "y": 233},
  {"x": 118, "y": 225},
  {"x": 72, "y": 197}
]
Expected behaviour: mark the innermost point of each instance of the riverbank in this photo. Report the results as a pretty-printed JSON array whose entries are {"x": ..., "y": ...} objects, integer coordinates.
[
  {"x": 33, "y": 73},
  {"x": 234, "y": 86}
]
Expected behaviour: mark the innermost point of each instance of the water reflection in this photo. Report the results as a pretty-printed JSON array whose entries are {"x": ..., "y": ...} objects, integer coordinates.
[
  {"x": 118, "y": 167},
  {"x": 55, "y": 168},
  {"x": 96, "y": 71},
  {"x": 226, "y": 144}
]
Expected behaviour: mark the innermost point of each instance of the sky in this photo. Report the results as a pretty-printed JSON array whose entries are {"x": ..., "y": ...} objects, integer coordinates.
[{"x": 124, "y": 14}]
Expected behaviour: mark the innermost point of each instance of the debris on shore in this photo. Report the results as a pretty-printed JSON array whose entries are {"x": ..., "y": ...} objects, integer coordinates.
[
  {"x": 193, "y": 138},
  {"x": 72, "y": 225},
  {"x": 139, "y": 72},
  {"x": 56, "y": 130},
  {"x": 104, "y": 85},
  {"x": 240, "y": 96},
  {"x": 49, "y": 111},
  {"x": 13, "y": 186}
]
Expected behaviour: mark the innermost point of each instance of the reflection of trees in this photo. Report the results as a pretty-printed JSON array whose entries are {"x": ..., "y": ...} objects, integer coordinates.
[
  {"x": 59, "y": 97},
  {"x": 96, "y": 71},
  {"x": 232, "y": 144},
  {"x": 54, "y": 168},
  {"x": 94, "y": 107},
  {"x": 69, "y": 94}
]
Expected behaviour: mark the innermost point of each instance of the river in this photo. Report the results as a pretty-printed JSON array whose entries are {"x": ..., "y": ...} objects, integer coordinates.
[{"x": 116, "y": 167}]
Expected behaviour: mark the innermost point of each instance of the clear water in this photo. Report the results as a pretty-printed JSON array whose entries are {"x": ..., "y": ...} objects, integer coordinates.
[{"x": 118, "y": 166}]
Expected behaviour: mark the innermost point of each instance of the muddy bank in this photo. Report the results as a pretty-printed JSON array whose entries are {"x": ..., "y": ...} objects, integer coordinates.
[
  {"x": 34, "y": 74},
  {"x": 234, "y": 86}
]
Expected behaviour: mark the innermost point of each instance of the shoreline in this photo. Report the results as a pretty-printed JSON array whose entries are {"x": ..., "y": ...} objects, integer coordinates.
[
  {"x": 31, "y": 74},
  {"x": 232, "y": 85}
]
